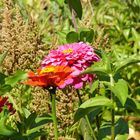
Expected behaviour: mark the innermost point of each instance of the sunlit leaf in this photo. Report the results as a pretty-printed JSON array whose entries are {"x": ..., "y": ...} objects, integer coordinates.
[
  {"x": 103, "y": 67},
  {"x": 125, "y": 63},
  {"x": 96, "y": 101},
  {"x": 120, "y": 89},
  {"x": 5, "y": 130},
  {"x": 12, "y": 80}
]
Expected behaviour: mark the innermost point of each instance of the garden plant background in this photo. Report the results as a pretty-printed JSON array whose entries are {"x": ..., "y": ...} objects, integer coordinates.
[{"x": 69, "y": 69}]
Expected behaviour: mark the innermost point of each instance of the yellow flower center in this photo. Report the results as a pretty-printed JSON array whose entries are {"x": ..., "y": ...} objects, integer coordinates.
[
  {"x": 69, "y": 50},
  {"x": 47, "y": 69}
]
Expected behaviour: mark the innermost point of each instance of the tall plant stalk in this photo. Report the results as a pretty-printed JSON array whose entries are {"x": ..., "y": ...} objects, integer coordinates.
[
  {"x": 53, "y": 101},
  {"x": 73, "y": 17},
  {"x": 86, "y": 117},
  {"x": 112, "y": 111}
]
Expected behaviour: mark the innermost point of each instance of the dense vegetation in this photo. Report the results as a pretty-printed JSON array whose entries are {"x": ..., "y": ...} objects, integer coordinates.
[{"x": 101, "y": 41}]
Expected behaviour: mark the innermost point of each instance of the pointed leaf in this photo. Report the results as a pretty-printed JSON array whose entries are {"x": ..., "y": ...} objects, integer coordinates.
[
  {"x": 12, "y": 80},
  {"x": 121, "y": 90},
  {"x": 4, "y": 89},
  {"x": 77, "y": 6},
  {"x": 81, "y": 112},
  {"x": 4, "y": 130},
  {"x": 103, "y": 67},
  {"x": 85, "y": 130},
  {"x": 132, "y": 104},
  {"x": 125, "y": 63},
  {"x": 96, "y": 101}
]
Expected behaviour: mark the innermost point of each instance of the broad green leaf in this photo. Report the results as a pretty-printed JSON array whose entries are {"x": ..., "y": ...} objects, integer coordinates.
[
  {"x": 103, "y": 67},
  {"x": 76, "y": 5},
  {"x": 81, "y": 112},
  {"x": 86, "y": 35},
  {"x": 29, "y": 122},
  {"x": 120, "y": 89},
  {"x": 121, "y": 128},
  {"x": 96, "y": 101},
  {"x": 4, "y": 130},
  {"x": 2, "y": 56},
  {"x": 132, "y": 104},
  {"x": 12, "y": 80},
  {"x": 98, "y": 68},
  {"x": 72, "y": 37},
  {"x": 125, "y": 63},
  {"x": 94, "y": 86},
  {"x": 4, "y": 89}
]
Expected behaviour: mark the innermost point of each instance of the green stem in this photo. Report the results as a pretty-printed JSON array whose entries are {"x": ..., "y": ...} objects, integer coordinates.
[
  {"x": 73, "y": 17},
  {"x": 91, "y": 130},
  {"x": 53, "y": 98},
  {"x": 86, "y": 117},
  {"x": 112, "y": 111}
]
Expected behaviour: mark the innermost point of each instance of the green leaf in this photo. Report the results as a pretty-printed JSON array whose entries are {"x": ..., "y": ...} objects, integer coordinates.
[
  {"x": 122, "y": 137},
  {"x": 85, "y": 130},
  {"x": 132, "y": 104},
  {"x": 60, "y": 2},
  {"x": 12, "y": 80},
  {"x": 76, "y": 5},
  {"x": 121, "y": 128},
  {"x": 97, "y": 68},
  {"x": 2, "y": 78},
  {"x": 96, "y": 101},
  {"x": 72, "y": 37},
  {"x": 4, "y": 130},
  {"x": 81, "y": 112},
  {"x": 125, "y": 63},
  {"x": 95, "y": 85},
  {"x": 103, "y": 67},
  {"x": 87, "y": 35},
  {"x": 120, "y": 89},
  {"x": 126, "y": 33},
  {"x": 4, "y": 89},
  {"x": 29, "y": 122}
]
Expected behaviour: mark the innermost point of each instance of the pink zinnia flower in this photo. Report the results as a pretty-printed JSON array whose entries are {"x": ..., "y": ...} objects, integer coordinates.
[{"x": 78, "y": 56}]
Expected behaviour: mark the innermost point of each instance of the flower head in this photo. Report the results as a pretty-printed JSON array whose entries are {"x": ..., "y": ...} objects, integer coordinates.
[
  {"x": 55, "y": 76},
  {"x": 78, "y": 56},
  {"x": 4, "y": 102}
]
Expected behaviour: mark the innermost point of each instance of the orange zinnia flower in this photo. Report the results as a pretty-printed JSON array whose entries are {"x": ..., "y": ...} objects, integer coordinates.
[{"x": 56, "y": 76}]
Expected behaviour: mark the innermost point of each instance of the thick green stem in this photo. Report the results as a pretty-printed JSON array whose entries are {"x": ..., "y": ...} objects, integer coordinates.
[
  {"x": 53, "y": 99},
  {"x": 112, "y": 111},
  {"x": 86, "y": 117}
]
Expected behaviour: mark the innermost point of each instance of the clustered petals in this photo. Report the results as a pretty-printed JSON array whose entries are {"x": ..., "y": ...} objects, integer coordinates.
[
  {"x": 55, "y": 76},
  {"x": 77, "y": 56},
  {"x": 4, "y": 102}
]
